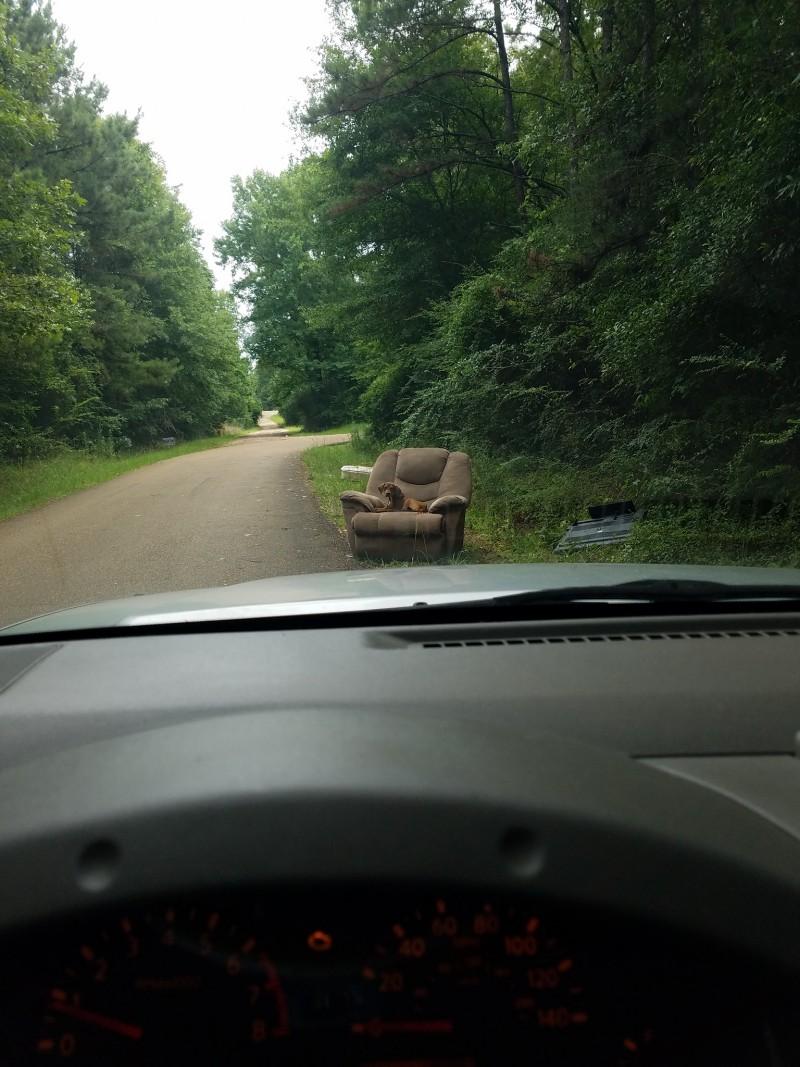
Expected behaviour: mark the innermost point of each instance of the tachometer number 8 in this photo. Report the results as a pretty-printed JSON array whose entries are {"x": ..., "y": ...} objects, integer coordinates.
[{"x": 67, "y": 1045}]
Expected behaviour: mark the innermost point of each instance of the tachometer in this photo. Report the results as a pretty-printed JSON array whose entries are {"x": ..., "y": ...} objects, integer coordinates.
[{"x": 163, "y": 986}]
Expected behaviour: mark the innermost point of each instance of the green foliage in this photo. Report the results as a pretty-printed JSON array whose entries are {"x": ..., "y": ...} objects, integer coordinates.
[
  {"x": 636, "y": 317},
  {"x": 41, "y": 303},
  {"x": 291, "y": 286},
  {"x": 341, "y": 256},
  {"x": 110, "y": 328}
]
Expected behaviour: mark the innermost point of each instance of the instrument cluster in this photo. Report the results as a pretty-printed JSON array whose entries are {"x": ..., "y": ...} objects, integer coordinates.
[{"x": 375, "y": 980}]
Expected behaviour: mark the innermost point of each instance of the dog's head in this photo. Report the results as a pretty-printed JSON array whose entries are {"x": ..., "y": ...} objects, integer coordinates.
[{"x": 393, "y": 493}]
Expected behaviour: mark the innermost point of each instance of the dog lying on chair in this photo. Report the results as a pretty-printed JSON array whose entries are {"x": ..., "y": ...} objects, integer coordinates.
[{"x": 396, "y": 499}]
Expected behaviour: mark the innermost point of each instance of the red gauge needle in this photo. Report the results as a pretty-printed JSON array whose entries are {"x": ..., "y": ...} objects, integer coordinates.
[{"x": 116, "y": 1026}]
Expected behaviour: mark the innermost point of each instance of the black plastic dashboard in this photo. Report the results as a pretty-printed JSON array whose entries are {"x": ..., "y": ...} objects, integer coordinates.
[{"x": 624, "y": 794}]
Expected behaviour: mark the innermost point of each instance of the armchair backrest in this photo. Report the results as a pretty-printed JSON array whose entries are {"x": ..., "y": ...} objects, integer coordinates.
[{"x": 423, "y": 473}]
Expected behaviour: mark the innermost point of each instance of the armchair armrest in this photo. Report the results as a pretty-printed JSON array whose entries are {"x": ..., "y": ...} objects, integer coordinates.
[
  {"x": 365, "y": 501},
  {"x": 452, "y": 507},
  {"x": 355, "y": 503},
  {"x": 447, "y": 503}
]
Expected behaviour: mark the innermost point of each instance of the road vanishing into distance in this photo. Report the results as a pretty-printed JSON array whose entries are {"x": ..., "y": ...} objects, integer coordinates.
[{"x": 229, "y": 514}]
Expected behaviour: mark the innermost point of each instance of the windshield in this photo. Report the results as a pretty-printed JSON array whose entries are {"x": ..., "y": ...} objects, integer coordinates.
[{"x": 366, "y": 287}]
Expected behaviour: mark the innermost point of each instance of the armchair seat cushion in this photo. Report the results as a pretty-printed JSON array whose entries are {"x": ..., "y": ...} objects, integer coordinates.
[{"x": 397, "y": 524}]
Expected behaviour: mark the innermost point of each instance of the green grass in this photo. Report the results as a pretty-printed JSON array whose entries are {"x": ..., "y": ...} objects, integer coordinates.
[
  {"x": 301, "y": 431},
  {"x": 347, "y": 427},
  {"x": 323, "y": 464},
  {"x": 28, "y": 485},
  {"x": 520, "y": 509},
  {"x": 280, "y": 421}
]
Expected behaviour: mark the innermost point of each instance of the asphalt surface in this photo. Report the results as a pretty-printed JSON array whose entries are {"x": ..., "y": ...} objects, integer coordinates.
[{"x": 227, "y": 515}]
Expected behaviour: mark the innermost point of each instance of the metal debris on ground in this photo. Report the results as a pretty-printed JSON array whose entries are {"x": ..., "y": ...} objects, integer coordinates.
[{"x": 608, "y": 525}]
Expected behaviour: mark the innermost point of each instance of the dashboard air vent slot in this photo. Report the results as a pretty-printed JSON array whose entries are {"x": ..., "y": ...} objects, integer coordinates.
[{"x": 586, "y": 639}]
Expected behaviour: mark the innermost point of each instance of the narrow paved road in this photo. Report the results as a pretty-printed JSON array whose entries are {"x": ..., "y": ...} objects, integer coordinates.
[{"x": 227, "y": 515}]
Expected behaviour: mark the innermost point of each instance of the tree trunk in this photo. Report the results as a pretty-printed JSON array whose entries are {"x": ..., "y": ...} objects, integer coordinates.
[
  {"x": 694, "y": 23},
  {"x": 607, "y": 28},
  {"x": 565, "y": 48},
  {"x": 565, "y": 40},
  {"x": 509, "y": 120},
  {"x": 649, "y": 35}
]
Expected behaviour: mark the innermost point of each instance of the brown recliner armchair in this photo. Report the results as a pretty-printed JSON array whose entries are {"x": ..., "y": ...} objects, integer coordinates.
[{"x": 440, "y": 478}]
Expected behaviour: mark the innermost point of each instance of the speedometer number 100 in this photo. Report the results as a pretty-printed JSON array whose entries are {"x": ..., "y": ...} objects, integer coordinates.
[{"x": 521, "y": 945}]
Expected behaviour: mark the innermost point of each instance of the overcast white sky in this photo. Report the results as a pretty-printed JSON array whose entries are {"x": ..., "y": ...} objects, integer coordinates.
[{"x": 214, "y": 83}]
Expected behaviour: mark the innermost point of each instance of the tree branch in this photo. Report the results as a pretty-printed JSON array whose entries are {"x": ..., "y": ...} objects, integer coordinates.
[
  {"x": 67, "y": 148},
  {"x": 461, "y": 72},
  {"x": 416, "y": 62},
  {"x": 423, "y": 169},
  {"x": 479, "y": 118},
  {"x": 576, "y": 33},
  {"x": 468, "y": 27}
]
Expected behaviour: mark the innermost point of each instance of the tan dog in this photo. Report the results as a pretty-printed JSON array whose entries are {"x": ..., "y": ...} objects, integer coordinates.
[{"x": 396, "y": 499}]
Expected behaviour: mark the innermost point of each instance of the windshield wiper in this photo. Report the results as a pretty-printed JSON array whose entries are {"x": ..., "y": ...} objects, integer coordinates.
[{"x": 649, "y": 591}]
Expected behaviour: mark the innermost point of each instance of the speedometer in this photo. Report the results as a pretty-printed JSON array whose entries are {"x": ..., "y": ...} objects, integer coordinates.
[
  {"x": 489, "y": 982},
  {"x": 506, "y": 956}
]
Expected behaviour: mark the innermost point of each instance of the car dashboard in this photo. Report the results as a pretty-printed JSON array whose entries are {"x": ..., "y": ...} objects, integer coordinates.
[{"x": 374, "y": 845}]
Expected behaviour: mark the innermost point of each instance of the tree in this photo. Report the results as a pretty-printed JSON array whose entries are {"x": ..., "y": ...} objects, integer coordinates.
[
  {"x": 112, "y": 329},
  {"x": 41, "y": 303},
  {"x": 293, "y": 287},
  {"x": 453, "y": 57},
  {"x": 419, "y": 185}
]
